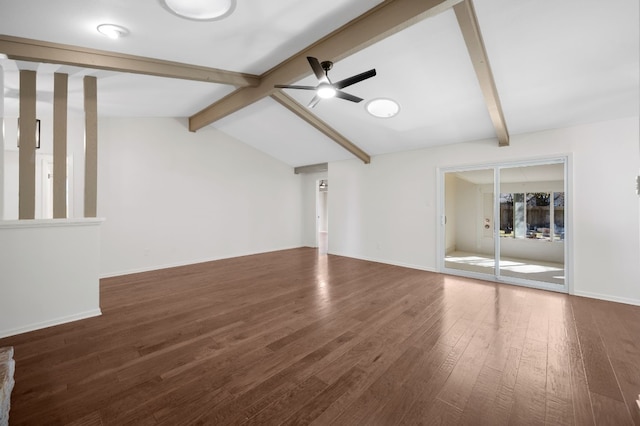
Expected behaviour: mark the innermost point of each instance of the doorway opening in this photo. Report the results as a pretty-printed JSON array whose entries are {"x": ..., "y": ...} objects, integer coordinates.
[
  {"x": 44, "y": 209},
  {"x": 322, "y": 216},
  {"x": 507, "y": 223}
]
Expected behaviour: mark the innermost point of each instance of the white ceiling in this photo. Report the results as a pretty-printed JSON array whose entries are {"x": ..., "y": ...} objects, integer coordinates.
[{"x": 555, "y": 63}]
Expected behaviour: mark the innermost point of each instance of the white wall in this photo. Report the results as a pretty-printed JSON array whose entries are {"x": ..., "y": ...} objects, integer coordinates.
[
  {"x": 386, "y": 211},
  {"x": 172, "y": 197},
  {"x": 49, "y": 273},
  {"x": 10, "y": 174}
]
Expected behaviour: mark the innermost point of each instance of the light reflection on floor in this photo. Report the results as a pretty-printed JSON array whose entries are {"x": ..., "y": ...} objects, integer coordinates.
[
  {"x": 519, "y": 268},
  {"x": 323, "y": 291}
]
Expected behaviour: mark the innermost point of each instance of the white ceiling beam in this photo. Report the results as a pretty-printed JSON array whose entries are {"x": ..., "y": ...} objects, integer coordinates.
[
  {"x": 304, "y": 113},
  {"x": 42, "y": 51},
  {"x": 468, "y": 21},
  {"x": 386, "y": 19}
]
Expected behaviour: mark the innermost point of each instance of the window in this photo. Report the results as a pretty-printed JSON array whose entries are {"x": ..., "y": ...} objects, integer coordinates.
[{"x": 532, "y": 215}]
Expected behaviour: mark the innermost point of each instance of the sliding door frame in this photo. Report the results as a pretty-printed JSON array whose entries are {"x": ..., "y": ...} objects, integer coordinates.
[{"x": 564, "y": 159}]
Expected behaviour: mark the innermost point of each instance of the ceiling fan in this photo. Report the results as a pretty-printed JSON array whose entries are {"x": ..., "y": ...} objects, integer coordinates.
[{"x": 326, "y": 89}]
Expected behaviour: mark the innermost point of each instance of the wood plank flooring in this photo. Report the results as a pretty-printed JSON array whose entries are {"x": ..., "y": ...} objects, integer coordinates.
[{"x": 293, "y": 337}]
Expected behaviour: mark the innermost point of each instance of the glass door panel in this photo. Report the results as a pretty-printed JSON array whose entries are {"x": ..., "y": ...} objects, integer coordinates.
[
  {"x": 531, "y": 206},
  {"x": 468, "y": 221}
]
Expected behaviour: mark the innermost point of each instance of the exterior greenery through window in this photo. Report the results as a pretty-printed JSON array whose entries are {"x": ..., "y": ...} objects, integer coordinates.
[{"x": 533, "y": 215}]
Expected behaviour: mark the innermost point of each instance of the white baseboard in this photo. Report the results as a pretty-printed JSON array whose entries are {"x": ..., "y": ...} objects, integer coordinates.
[
  {"x": 50, "y": 323},
  {"x": 607, "y": 297},
  {"x": 184, "y": 263}
]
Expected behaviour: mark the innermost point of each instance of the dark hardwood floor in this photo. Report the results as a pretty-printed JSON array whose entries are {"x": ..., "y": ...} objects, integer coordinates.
[{"x": 293, "y": 338}]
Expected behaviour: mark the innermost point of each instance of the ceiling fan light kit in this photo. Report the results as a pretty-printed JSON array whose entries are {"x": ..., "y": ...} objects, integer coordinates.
[
  {"x": 326, "y": 89},
  {"x": 200, "y": 10}
]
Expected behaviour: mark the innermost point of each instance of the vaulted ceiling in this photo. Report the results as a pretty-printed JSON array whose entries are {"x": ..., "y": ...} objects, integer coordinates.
[{"x": 553, "y": 64}]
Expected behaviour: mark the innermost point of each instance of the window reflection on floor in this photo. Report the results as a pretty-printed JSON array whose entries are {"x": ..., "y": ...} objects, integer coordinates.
[
  {"x": 518, "y": 268},
  {"x": 323, "y": 242}
]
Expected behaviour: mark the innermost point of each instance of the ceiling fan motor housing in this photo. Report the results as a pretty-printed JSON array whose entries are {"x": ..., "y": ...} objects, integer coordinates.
[{"x": 326, "y": 65}]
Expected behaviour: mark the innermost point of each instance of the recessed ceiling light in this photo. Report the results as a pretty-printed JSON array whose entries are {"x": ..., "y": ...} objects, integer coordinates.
[
  {"x": 112, "y": 31},
  {"x": 200, "y": 10},
  {"x": 383, "y": 108}
]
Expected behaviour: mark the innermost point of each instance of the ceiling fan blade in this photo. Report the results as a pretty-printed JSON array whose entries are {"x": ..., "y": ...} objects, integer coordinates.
[
  {"x": 355, "y": 79},
  {"x": 317, "y": 70},
  {"x": 314, "y": 101},
  {"x": 348, "y": 97},
  {"x": 288, "y": 86}
]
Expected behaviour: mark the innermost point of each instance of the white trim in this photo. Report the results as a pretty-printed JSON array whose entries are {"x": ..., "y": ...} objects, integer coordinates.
[
  {"x": 50, "y": 223},
  {"x": 50, "y": 323},
  {"x": 531, "y": 161},
  {"x": 607, "y": 297},
  {"x": 569, "y": 221},
  {"x": 440, "y": 224}
]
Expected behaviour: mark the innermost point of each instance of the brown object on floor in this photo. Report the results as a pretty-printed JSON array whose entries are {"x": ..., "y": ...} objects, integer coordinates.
[{"x": 294, "y": 337}]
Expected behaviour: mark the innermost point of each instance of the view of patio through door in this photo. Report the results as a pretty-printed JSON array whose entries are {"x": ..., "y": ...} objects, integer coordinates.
[{"x": 506, "y": 223}]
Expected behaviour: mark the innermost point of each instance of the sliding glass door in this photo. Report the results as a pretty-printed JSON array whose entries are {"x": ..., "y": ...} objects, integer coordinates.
[{"x": 506, "y": 222}]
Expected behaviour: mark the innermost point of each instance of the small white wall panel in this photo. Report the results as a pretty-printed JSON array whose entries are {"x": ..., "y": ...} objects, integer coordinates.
[{"x": 50, "y": 273}]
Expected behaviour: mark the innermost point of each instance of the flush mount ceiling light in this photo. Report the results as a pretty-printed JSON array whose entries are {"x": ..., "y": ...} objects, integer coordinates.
[
  {"x": 383, "y": 108},
  {"x": 200, "y": 10},
  {"x": 112, "y": 31}
]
